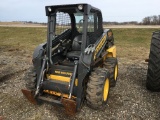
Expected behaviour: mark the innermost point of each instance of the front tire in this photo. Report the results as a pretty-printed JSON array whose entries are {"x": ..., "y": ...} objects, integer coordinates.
[
  {"x": 153, "y": 74},
  {"x": 98, "y": 88},
  {"x": 111, "y": 64}
]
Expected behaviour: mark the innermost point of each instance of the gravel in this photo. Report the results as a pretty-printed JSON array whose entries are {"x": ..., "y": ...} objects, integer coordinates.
[{"x": 128, "y": 100}]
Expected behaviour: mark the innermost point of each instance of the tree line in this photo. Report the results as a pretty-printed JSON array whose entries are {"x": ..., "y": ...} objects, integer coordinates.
[
  {"x": 151, "y": 20},
  {"x": 121, "y": 23}
]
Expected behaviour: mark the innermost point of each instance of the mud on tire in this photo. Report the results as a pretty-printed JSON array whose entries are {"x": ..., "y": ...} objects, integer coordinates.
[
  {"x": 30, "y": 78},
  {"x": 153, "y": 74},
  {"x": 111, "y": 64},
  {"x": 95, "y": 88}
]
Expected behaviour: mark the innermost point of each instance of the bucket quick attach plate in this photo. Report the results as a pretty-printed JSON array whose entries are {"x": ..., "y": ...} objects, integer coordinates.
[
  {"x": 29, "y": 95},
  {"x": 69, "y": 105}
]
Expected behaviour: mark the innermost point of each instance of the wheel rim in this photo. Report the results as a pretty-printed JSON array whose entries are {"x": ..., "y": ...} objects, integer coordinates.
[
  {"x": 116, "y": 72},
  {"x": 106, "y": 90}
]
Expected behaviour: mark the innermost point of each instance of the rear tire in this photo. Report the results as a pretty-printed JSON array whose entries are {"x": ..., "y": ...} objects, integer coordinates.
[
  {"x": 153, "y": 74},
  {"x": 111, "y": 64},
  {"x": 30, "y": 79},
  {"x": 98, "y": 88}
]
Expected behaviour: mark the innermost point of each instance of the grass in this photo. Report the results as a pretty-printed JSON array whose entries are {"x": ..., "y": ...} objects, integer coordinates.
[
  {"x": 130, "y": 42},
  {"x": 134, "y": 37},
  {"x": 21, "y": 37},
  {"x": 133, "y": 43}
]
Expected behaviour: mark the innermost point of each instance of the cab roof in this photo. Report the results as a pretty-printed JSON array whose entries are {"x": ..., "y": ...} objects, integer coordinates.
[{"x": 70, "y": 8}]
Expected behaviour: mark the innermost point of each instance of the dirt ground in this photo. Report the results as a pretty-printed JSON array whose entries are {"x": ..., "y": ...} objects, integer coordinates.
[{"x": 129, "y": 100}]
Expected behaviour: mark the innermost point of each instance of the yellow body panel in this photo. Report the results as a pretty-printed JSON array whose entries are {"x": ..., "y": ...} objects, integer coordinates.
[
  {"x": 62, "y": 78},
  {"x": 111, "y": 51}
]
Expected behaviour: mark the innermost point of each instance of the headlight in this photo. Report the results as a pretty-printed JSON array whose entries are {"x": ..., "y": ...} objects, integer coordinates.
[
  {"x": 49, "y": 9},
  {"x": 80, "y": 7}
]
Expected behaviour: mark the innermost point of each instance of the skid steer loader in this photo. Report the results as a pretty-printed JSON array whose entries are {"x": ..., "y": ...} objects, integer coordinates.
[{"x": 77, "y": 63}]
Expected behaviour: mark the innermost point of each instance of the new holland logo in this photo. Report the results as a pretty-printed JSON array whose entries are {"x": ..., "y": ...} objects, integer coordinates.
[{"x": 63, "y": 72}]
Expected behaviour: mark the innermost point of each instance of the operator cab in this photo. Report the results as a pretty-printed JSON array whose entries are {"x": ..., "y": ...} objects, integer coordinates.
[{"x": 73, "y": 28}]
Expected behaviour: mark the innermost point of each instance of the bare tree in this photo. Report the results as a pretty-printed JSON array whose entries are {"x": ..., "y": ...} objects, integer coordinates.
[
  {"x": 154, "y": 20},
  {"x": 146, "y": 21},
  {"x": 151, "y": 20},
  {"x": 158, "y": 19}
]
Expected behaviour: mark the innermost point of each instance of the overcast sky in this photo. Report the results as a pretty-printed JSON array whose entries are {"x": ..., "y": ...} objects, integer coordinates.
[{"x": 112, "y": 10}]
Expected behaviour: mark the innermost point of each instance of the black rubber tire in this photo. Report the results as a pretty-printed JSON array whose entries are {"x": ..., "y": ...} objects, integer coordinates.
[
  {"x": 95, "y": 88},
  {"x": 111, "y": 64},
  {"x": 30, "y": 79},
  {"x": 153, "y": 73}
]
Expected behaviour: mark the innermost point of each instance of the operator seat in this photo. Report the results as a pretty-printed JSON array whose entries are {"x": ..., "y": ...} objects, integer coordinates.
[{"x": 76, "y": 48}]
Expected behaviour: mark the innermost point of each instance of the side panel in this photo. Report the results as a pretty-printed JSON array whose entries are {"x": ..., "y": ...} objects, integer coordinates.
[
  {"x": 105, "y": 42},
  {"x": 100, "y": 46}
]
